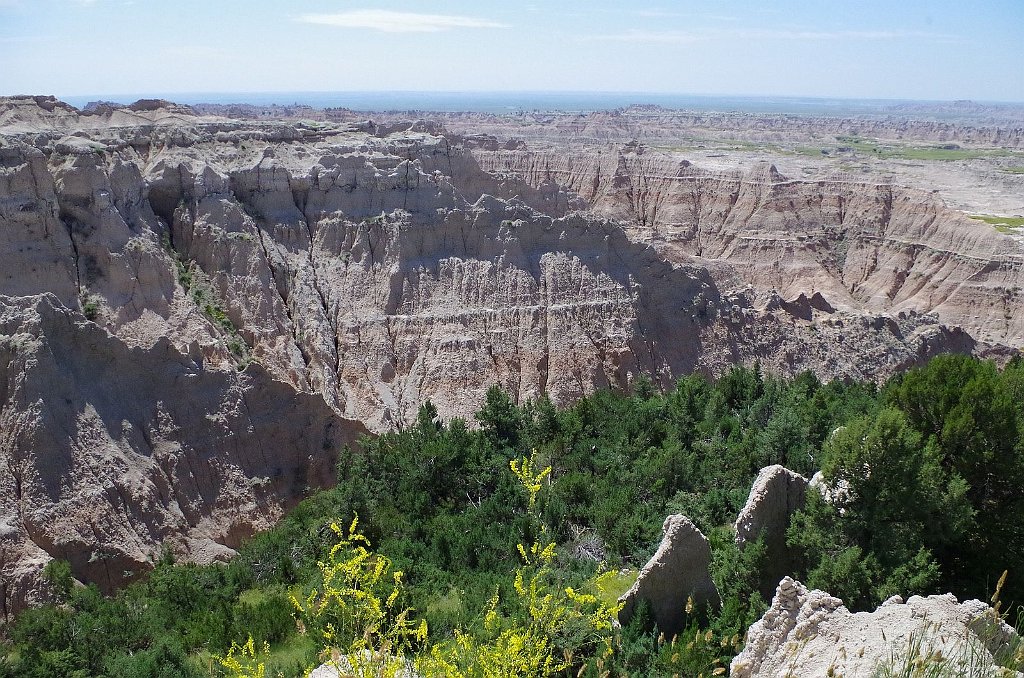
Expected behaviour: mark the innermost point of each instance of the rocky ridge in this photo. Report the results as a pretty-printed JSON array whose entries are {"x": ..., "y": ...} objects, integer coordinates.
[
  {"x": 676, "y": 580},
  {"x": 777, "y": 493}
]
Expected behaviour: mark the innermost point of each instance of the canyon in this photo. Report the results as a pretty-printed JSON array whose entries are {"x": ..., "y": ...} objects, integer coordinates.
[{"x": 198, "y": 312}]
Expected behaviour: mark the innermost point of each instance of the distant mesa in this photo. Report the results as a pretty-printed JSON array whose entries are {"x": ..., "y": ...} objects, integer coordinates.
[
  {"x": 99, "y": 106},
  {"x": 158, "y": 104}
]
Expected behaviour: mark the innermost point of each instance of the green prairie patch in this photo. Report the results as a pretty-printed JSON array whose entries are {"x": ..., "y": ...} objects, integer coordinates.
[
  {"x": 293, "y": 655},
  {"x": 883, "y": 150},
  {"x": 611, "y": 586},
  {"x": 938, "y": 153},
  {"x": 1014, "y": 170},
  {"x": 1001, "y": 224}
]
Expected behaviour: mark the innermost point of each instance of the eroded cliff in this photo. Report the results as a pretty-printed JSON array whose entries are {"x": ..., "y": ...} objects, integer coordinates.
[
  {"x": 110, "y": 450},
  {"x": 864, "y": 247},
  {"x": 199, "y": 310}
]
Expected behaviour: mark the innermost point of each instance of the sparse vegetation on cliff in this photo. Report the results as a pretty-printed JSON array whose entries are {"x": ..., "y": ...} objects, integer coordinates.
[{"x": 197, "y": 284}]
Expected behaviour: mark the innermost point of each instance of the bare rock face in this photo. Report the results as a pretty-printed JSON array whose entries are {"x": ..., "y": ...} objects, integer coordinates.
[
  {"x": 678, "y": 571},
  {"x": 657, "y": 125},
  {"x": 110, "y": 451},
  {"x": 811, "y": 634},
  {"x": 777, "y": 493},
  {"x": 836, "y": 243}
]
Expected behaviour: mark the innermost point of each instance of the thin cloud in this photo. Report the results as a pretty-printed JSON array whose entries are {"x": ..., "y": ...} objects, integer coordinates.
[
  {"x": 398, "y": 22},
  {"x": 199, "y": 52},
  {"x": 689, "y": 37},
  {"x": 658, "y": 14},
  {"x": 663, "y": 13},
  {"x": 25, "y": 39},
  {"x": 635, "y": 35},
  {"x": 855, "y": 35}
]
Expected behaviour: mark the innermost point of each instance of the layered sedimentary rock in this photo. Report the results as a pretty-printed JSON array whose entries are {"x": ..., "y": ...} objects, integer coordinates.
[
  {"x": 378, "y": 272},
  {"x": 811, "y": 634},
  {"x": 110, "y": 451},
  {"x": 777, "y": 493},
  {"x": 857, "y": 246},
  {"x": 957, "y": 123},
  {"x": 352, "y": 272},
  {"x": 992, "y": 126},
  {"x": 678, "y": 573}
]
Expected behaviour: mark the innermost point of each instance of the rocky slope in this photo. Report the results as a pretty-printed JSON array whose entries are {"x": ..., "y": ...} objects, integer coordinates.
[
  {"x": 216, "y": 302},
  {"x": 109, "y": 450}
]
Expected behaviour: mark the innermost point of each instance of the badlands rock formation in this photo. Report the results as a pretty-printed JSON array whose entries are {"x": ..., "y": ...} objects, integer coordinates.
[
  {"x": 109, "y": 450},
  {"x": 378, "y": 271},
  {"x": 959, "y": 123},
  {"x": 969, "y": 153},
  {"x": 678, "y": 571},
  {"x": 810, "y": 634},
  {"x": 252, "y": 289},
  {"x": 857, "y": 246},
  {"x": 777, "y": 493},
  {"x": 653, "y": 124}
]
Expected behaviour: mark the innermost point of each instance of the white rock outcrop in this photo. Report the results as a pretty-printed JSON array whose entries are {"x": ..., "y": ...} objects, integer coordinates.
[
  {"x": 811, "y": 634},
  {"x": 775, "y": 496},
  {"x": 370, "y": 663},
  {"x": 678, "y": 571}
]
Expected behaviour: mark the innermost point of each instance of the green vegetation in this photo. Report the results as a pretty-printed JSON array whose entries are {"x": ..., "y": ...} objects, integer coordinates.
[
  {"x": 198, "y": 285},
  {"x": 90, "y": 306},
  {"x": 900, "y": 152},
  {"x": 928, "y": 489},
  {"x": 861, "y": 146},
  {"x": 1002, "y": 224},
  {"x": 926, "y": 472},
  {"x": 1014, "y": 170}
]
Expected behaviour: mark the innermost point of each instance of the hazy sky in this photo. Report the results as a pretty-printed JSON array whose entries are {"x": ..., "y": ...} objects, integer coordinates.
[{"x": 925, "y": 49}]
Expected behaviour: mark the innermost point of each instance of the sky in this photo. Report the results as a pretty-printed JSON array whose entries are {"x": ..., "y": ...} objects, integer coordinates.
[{"x": 891, "y": 49}]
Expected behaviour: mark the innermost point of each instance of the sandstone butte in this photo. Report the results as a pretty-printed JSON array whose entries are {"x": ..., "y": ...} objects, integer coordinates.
[{"x": 196, "y": 312}]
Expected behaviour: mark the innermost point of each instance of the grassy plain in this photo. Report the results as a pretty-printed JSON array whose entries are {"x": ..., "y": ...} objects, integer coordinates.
[{"x": 1001, "y": 224}]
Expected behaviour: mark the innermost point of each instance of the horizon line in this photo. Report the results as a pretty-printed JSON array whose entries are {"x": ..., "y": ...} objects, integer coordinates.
[{"x": 169, "y": 95}]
